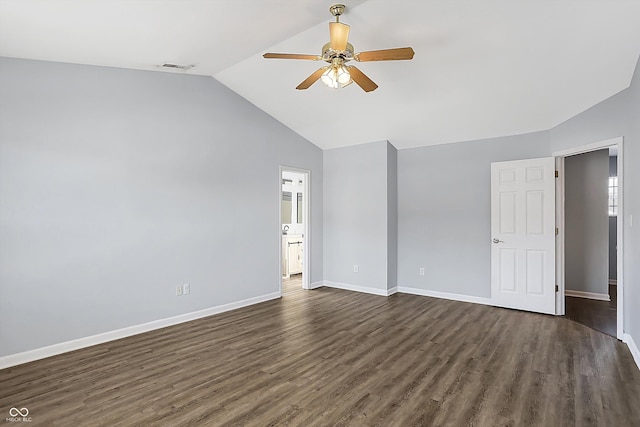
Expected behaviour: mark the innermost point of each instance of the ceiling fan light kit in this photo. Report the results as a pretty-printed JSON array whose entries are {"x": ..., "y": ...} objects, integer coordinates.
[
  {"x": 337, "y": 53},
  {"x": 337, "y": 75}
]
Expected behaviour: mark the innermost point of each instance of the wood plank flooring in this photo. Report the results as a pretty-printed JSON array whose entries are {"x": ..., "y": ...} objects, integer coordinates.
[
  {"x": 332, "y": 357},
  {"x": 599, "y": 315},
  {"x": 292, "y": 285}
]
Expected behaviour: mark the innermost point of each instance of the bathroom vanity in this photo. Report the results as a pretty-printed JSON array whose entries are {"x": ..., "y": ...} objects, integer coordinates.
[{"x": 292, "y": 256}]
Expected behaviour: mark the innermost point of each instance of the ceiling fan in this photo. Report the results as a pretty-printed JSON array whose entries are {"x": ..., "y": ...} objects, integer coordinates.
[{"x": 338, "y": 52}]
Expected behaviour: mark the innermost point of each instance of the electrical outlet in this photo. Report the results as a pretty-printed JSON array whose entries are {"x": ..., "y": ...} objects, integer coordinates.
[
  {"x": 355, "y": 268},
  {"x": 178, "y": 290},
  {"x": 186, "y": 289},
  {"x": 422, "y": 271}
]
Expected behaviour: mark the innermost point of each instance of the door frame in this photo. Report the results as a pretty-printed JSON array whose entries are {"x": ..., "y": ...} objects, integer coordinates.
[
  {"x": 560, "y": 223},
  {"x": 306, "y": 237}
]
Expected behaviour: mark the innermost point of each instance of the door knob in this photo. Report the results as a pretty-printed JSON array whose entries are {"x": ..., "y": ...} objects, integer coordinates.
[{"x": 497, "y": 241}]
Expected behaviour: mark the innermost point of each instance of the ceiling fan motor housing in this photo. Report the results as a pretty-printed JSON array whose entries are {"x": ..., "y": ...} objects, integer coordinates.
[{"x": 329, "y": 54}]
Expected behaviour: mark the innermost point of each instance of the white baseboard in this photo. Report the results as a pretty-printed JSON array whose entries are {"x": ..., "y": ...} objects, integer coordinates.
[
  {"x": 444, "y": 295},
  {"x": 613, "y": 282},
  {"x": 628, "y": 339},
  {"x": 316, "y": 285},
  {"x": 63, "y": 347},
  {"x": 406, "y": 290},
  {"x": 588, "y": 295},
  {"x": 364, "y": 289}
]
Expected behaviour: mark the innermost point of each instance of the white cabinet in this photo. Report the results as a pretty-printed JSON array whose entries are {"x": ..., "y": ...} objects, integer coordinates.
[{"x": 292, "y": 255}]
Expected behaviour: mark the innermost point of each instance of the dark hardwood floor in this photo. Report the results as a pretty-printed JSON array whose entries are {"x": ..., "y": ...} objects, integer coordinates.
[
  {"x": 599, "y": 315},
  {"x": 332, "y": 357}
]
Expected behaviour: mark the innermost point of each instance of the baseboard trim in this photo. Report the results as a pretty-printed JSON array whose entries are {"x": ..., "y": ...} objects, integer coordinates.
[
  {"x": 406, "y": 290},
  {"x": 628, "y": 339},
  {"x": 444, "y": 295},
  {"x": 588, "y": 295},
  {"x": 613, "y": 282},
  {"x": 355, "y": 288},
  {"x": 316, "y": 285},
  {"x": 64, "y": 347}
]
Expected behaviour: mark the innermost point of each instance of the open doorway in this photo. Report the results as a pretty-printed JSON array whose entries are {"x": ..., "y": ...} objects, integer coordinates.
[
  {"x": 294, "y": 230},
  {"x": 590, "y": 235}
]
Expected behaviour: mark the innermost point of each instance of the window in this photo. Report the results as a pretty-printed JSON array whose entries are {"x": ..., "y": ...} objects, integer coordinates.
[{"x": 613, "y": 196}]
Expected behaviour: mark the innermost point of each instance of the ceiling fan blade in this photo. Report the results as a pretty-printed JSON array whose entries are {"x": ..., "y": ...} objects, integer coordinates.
[
  {"x": 339, "y": 34},
  {"x": 400, "y": 53},
  {"x": 361, "y": 79},
  {"x": 311, "y": 79},
  {"x": 291, "y": 56}
]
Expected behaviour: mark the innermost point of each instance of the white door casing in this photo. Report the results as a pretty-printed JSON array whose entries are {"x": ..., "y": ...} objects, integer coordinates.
[
  {"x": 523, "y": 235},
  {"x": 617, "y": 142},
  {"x": 305, "y": 257}
]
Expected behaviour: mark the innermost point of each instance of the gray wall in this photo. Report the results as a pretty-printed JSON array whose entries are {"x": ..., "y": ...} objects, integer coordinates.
[
  {"x": 613, "y": 252},
  {"x": 444, "y": 211},
  {"x": 392, "y": 216},
  {"x": 614, "y": 117},
  {"x": 356, "y": 215},
  {"x": 118, "y": 185},
  {"x": 613, "y": 228},
  {"x": 587, "y": 222}
]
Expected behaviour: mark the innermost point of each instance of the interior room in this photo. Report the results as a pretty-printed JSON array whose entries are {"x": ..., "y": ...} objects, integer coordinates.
[
  {"x": 298, "y": 213},
  {"x": 293, "y": 230},
  {"x": 591, "y": 289}
]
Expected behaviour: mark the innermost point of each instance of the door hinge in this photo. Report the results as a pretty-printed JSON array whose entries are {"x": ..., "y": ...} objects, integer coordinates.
[
  {"x": 557, "y": 289},
  {"x": 557, "y": 174},
  {"x": 557, "y": 231}
]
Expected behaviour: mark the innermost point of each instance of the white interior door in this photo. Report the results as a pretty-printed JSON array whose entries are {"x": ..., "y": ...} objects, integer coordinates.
[{"x": 523, "y": 235}]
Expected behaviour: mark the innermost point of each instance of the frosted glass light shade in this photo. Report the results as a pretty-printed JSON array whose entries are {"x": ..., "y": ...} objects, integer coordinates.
[{"x": 336, "y": 77}]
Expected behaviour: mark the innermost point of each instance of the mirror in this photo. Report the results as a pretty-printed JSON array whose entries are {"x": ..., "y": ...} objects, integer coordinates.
[
  {"x": 299, "y": 208},
  {"x": 286, "y": 207}
]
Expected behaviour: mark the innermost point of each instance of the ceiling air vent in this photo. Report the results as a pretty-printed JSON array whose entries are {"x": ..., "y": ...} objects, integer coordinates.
[{"x": 177, "y": 66}]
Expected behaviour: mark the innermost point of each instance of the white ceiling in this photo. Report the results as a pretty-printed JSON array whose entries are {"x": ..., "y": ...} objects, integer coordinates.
[{"x": 482, "y": 68}]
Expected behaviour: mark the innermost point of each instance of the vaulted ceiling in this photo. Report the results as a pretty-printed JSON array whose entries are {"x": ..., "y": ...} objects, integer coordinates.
[{"x": 482, "y": 68}]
